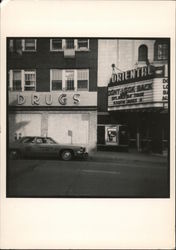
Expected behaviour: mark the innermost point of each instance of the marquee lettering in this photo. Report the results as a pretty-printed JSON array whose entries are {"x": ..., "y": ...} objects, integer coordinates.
[{"x": 132, "y": 74}]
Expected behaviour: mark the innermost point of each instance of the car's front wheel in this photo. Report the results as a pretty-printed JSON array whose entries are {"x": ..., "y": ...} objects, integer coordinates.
[
  {"x": 66, "y": 155},
  {"x": 14, "y": 154}
]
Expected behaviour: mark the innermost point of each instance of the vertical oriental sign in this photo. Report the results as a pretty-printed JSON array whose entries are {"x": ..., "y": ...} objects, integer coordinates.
[
  {"x": 133, "y": 75},
  {"x": 165, "y": 89}
]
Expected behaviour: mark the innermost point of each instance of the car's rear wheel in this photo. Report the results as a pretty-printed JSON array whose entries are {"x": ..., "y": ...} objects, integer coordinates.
[
  {"x": 66, "y": 155},
  {"x": 14, "y": 154}
]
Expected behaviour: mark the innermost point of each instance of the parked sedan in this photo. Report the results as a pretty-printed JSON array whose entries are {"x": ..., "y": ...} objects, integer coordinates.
[{"x": 37, "y": 146}]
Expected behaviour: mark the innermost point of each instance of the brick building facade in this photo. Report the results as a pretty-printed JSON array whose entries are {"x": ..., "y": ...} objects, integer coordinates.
[{"x": 52, "y": 86}]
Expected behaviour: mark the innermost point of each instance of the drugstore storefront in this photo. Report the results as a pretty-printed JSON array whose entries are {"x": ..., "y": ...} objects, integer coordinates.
[{"x": 67, "y": 117}]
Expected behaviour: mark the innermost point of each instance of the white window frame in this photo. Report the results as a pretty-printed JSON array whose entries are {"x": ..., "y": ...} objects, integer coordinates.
[
  {"x": 51, "y": 81},
  {"x": 79, "y": 89},
  {"x": 23, "y": 78},
  {"x": 74, "y": 42},
  {"x": 82, "y": 49},
  {"x": 51, "y": 45},
  {"x": 64, "y": 45},
  {"x": 75, "y": 82},
  {"x": 26, "y": 50},
  {"x": 11, "y": 80},
  {"x": 64, "y": 80}
]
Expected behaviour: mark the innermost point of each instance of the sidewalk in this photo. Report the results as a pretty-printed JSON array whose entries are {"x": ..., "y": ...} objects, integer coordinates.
[{"x": 127, "y": 156}]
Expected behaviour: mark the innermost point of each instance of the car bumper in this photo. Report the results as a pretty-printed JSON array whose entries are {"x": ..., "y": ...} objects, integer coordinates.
[{"x": 82, "y": 155}]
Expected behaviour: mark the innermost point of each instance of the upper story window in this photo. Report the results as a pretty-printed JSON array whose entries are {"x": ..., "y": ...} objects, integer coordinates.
[
  {"x": 83, "y": 43},
  {"x": 22, "y": 80},
  {"x": 143, "y": 53},
  {"x": 161, "y": 50},
  {"x": 69, "y": 44},
  {"x": 83, "y": 79},
  {"x": 29, "y": 44},
  {"x": 20, "y": 45},
  {"x": 69, "y": 79},
  {"x": 56, "y": 79},
  {"x": 56, "y": 44},
  {"x": 17, "y": 84},
  {"x": 11, "y": 45},
  {"x": 29, "y": 80}
]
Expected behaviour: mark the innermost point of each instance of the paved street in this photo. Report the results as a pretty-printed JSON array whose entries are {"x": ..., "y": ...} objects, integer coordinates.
[{"x": 103, "y": 175}]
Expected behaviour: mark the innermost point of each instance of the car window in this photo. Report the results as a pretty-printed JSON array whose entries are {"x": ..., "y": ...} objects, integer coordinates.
[
  {"x": 48, "y": 141},
  {"x": 39, "y": 140},
  {"x": 27, "y": 140}
]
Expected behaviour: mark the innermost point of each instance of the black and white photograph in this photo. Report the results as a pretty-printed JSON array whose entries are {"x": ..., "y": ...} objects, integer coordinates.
[
  {"x": 88, "y": 117},
  {"x": 87, "y": 124}
]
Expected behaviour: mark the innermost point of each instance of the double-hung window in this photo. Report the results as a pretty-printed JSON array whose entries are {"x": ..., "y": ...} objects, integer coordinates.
[
  {"x": 56, "y": 79},
  {"x": 29, "y": 44},
  {"x": 29, "y": 80},
  {"x": 56, "y": 44},
  {"x": 69, "y": 43},
  {"x": 22, "y": 80},
  {"x": 82, "y": 79},
  {"x": 83, "y": 43},
  {"x": 69, "y": 79},
  {"x": 17, "y": 80},
  {"x": 161, "y": 51}
]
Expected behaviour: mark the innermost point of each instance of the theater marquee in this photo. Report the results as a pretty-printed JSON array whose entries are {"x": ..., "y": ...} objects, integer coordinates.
[{"x": 141, "y": 94}]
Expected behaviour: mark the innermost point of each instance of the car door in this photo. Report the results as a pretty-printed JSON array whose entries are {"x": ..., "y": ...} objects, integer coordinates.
[
  {"x": 27, "y": 146},
  {"x": 43, "y": 148},
  {"x": 38, "y": 149}
]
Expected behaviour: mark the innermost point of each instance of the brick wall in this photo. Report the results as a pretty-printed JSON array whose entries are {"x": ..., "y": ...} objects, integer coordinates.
[{"x": 43, "y": 60}]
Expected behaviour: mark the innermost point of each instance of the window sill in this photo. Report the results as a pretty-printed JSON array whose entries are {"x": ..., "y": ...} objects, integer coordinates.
[
  {"x": 82, "y": 90},
  {"x": 22, "y": 91},
  {"x": 29, "y": 50},
  {"x": 77, "y": 50}
]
